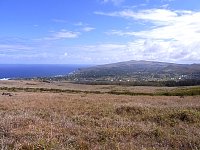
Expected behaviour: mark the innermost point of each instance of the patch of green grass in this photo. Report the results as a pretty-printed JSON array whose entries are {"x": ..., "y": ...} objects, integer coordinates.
[
  {"x": 129, "y": 93},
  {"x": 182, "y": 92}
]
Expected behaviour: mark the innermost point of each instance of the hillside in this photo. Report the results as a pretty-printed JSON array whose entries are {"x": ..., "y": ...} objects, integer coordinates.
[{"x": 138, "y": 71}]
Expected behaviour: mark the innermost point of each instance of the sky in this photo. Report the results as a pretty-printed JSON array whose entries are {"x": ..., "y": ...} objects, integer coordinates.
[{"x": 99, "y": 31}]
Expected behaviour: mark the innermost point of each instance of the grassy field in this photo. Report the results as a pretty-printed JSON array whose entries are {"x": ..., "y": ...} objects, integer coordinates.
[{"x": 59, "y": 115}]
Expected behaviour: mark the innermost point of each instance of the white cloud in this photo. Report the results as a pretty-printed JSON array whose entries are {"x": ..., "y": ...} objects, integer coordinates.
[
  {"x": 63, "y": 34},
  {"x": 121, "y": 33},
  {"x": 165, "y": 6},
  {"x": 115, "y": 2},
  {"x": 59, "y": 20},
  {"x": 79, "y": 24},
  {"x": 182, "y": 26},
  {"x": 65, "y": 54},
  {"x": 88, "y": 29},
  {"x": 98, "y": 53},
  {"x": 157, "y": 16},
  {"x": 13, "y": 47},
  {"x": 160, "y": 50},
  {"x": 84, "y": 26},
  {"x": 170, "y": 35},
  {"x": 66, "y": 34}
]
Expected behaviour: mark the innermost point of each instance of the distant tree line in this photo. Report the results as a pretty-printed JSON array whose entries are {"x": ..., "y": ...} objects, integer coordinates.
[
  {"x": 188, "y": 82},
  {"x": 170, "y": 83}
]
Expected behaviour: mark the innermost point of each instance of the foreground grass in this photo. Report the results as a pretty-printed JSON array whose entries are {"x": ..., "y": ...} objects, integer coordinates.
[{"x": 78, "y": 120}]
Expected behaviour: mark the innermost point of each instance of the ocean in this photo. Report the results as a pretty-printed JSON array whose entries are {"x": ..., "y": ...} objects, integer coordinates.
[{"x": 9, "y": 71}]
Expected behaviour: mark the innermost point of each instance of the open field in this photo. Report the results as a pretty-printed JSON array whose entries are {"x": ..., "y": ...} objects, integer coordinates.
[
  {"x": 82, "y": 87},
  {"x": 61, "y": 115}
]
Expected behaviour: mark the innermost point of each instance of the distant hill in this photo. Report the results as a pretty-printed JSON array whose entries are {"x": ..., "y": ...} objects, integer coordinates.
[{"x": 139, "y": 71}]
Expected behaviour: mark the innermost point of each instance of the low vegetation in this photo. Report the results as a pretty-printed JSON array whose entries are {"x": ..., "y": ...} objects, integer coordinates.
[
  {"x": 44, "y": 118},
  {"x": 159, "y": 83},
  {"x": 188, "y": 91}
]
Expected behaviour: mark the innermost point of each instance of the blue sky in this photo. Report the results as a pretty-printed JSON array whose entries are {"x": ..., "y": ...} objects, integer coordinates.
[{"x": 99, "y": 31}]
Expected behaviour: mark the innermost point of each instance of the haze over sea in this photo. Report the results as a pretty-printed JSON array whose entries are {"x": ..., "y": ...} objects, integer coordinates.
[{"x": 36, "y": 70}]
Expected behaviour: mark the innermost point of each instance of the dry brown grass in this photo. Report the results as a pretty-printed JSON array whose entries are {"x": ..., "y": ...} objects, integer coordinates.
[{"x": 33, "y": 120}]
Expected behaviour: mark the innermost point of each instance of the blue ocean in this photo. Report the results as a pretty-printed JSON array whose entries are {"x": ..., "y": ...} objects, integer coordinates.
[{"x": 29, "y": 71}]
